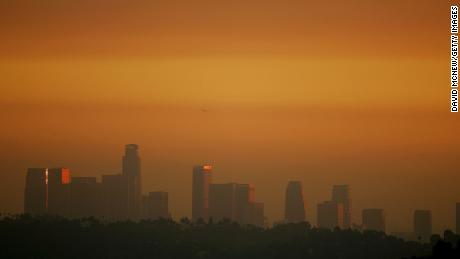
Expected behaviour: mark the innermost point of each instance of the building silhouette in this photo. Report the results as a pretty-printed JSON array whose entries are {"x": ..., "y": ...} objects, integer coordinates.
[
  {"x": 422, "y": 225},
  {"x": 294, "y": 203},
  {"x": 330, "y": 215},
  {"x": 257, "y": 214},
  {"x": 155, "y": 205},
  {"x": 202, "y": 178},
  {"x": 131, "y": 164},
  {"x": 222, "y": 201},
  {"x": 341, "y": 194},
  {"x": 59, "y": 191},
  {"x": 36, "y": 191},
  {"x": 457, "y": 216},
  {"x": 373, "y": 219},
  {"x": 245, "y": 199},
  {"x": 85, "y": 197},
  {"x": 115, "y": 193}
]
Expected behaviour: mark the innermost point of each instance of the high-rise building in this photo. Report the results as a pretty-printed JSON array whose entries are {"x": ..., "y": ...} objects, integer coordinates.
[
  {"x": 294, "y": 203},
  {"x": 245, "y": 199},
  {"x": 115, "y": 192},
  {"x": 85, "y": 197},
  {"x": 202, "y": 178},
  {"x": 222, "y": 201},
  {"x": 330, "y": 215},
  {"x": 59, "y": 191},
  {"x": 36, "y": 191},
  {"x": 374, "y": 219},
  {"x": 422, "y": 225},
  {"x": 132, "y": 171},
  {"x": 341, "y": 194},
  {"x": 458, "y": 217},
  {"x": 156, "y": 205}
]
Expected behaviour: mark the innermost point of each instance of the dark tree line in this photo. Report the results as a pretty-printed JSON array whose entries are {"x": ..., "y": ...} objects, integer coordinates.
[{"x": 24, "y": 236}]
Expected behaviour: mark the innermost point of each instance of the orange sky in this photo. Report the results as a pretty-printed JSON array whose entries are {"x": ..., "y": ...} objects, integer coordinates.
[{"x": 325, "y": 92}]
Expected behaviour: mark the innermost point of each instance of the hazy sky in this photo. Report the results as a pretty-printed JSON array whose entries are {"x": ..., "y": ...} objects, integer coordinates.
[{"x": 326, "y": 92}]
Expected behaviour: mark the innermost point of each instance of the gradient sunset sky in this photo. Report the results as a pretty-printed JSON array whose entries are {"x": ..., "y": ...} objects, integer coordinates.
[{"x": 325, "y": 92}]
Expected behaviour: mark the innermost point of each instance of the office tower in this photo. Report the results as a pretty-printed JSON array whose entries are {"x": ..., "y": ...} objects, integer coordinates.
[
  {"x": 458, "y": 217},
  {"x": 294, "y": 203},
  {"x": 422, "y": 225},
  {"x": 341, "y": 194},
  {"x": 245, "y": 199},
  {"x": 85, "y": 197},
  {"x": 257, "y": 214},
  {"x": 132, "y": 172},
  {"x": 115, "y": 192},
  {"x": 36, "y": 191},
  {"x": 202, "y": 178},
  {"x": 373, "y": 219},
  {"x": 330, "y": 215},
  {"x": 222, "y": 201},
  {"x": 59, "y": 191},
  {"x": 156, "y": 205}
]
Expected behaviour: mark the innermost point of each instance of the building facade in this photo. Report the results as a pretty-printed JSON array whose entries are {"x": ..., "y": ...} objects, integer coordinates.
[
  {"x": 202, "y": 178},
  {"x": 222, "y": 201},
  {"x": 373, "y": 219},
  {"x": 294, "y": 203},
  {"x": 330, "y": 215},
  {"x": 131, "y": 169},
  {"x": 156, "y": 206},
  {"x": 423, "y": 225},
  {"x": 341, "y": 195},
  {"x": 36, "y": 191}
]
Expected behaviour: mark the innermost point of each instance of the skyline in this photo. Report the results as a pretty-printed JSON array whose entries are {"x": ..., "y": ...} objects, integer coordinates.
[
  {"x": 325, "y": 93},
  {"x": 294, "y": 200}
]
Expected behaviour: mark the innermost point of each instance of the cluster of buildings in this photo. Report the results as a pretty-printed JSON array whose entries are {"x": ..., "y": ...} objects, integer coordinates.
[
  {"x": 218, "y": 201},
  {"x": 119, "y": 197},
  {"x": 337, "y": 212}
]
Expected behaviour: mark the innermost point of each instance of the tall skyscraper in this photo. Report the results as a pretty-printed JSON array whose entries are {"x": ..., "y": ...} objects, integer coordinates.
[
  {"x": 202, "y": 178},
  {"x": 85, "y": 197},
  {"x": 458, "y": 217},
  {"x": 59, "y": 191},
  {"x": 132, "y": 171},
  {"x": 422, "y": 225},
  {"x": 36, "y": 191},
  {"x": 156, "y": 205},
  {"x": 341, "y": 194},
  {"x": 374, "y": 219},
  {"x": 116, "y": 202},
  {"x": 294, "y": 203},
  {"x": 222, "y": 201},
  {"x": 245, "y": 199},
  {"x": 330, "y": 215}
]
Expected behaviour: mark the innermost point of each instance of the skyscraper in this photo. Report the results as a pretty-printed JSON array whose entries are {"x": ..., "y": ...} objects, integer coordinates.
[
  {"x": 245, "y": 199},
  {"x": 341, "y": 194},
  {"x": 374, "y": 219},
  {"x": 59, "y": 191},
  {"x": 422, "y": 225},
  {"x": 222, "y": 201},
  {"x": 202, "y": 178},
  {"x": 132, "y": 171},
  {"x": 458, "y": 217},
  {"x": 156, "y": 205},
  {"x": 294, "y": 203},
  {"x": 330, "y": 215},
  {"x": 36, "y": 191}
]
